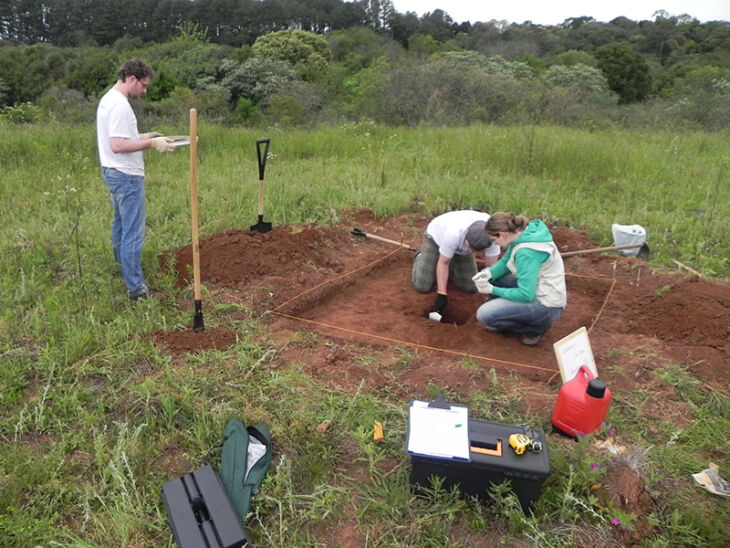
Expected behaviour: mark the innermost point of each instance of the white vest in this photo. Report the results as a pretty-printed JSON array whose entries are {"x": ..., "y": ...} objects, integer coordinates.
[{"x": 550, "y": 289}]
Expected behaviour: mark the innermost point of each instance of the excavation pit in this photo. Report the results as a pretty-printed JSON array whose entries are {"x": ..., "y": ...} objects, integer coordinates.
[{"x": 356, "y": 294}]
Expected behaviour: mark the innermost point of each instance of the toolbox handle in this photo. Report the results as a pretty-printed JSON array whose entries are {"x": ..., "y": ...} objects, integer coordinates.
[{"x": 486, "y": 448}]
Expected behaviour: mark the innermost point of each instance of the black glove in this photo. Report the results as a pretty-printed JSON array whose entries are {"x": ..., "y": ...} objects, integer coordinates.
[{"x": 440, "y": 303}]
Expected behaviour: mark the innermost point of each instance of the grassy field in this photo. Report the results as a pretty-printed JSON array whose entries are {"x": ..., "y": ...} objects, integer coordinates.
[{"x": 91, "y": 418}]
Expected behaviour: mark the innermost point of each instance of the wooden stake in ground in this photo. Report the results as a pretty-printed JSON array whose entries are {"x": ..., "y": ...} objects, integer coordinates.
[
  {"x": 688, "y": 269},
  {"x": 198, "y": 318}
]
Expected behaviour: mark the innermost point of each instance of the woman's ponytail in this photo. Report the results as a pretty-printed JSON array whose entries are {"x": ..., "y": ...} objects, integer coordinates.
[{"x": 506, "y": 222}]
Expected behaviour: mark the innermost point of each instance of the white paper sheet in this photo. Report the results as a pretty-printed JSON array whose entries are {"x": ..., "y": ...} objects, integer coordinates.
[{"x": 438, "y": 432}]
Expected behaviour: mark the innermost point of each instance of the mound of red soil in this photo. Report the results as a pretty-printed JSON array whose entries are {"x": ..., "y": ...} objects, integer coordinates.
[
  {"x": 623, "y": 488},
  {"x": 216, "y": 338},
  {"x": 325, "y": 280}
]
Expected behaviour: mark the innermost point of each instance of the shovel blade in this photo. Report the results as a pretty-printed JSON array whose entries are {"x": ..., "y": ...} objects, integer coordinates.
[
  {"x": 261, "y": 226},
  {"x": 644, "y": 252},
  {"x": 198, "y": 324}
]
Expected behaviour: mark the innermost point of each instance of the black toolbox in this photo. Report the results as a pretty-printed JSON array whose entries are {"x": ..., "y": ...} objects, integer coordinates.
[
  {"x": 491, "y": 461},
  {"x": 200, "y": 512}
]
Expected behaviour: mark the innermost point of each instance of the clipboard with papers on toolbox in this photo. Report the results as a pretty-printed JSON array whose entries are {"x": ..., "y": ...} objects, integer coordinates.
[{"x": 438, "y": 429}]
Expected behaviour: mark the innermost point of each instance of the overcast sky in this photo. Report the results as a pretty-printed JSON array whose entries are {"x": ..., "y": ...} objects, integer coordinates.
[{"x": 545, "y": 12}]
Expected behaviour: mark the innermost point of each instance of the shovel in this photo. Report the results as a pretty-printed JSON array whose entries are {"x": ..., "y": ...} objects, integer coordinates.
[
  {"x": 198, "y": 318},
  {"x": 363, "y": 234},
  {"x": 643, "y": 252},
  {"x": 261, "y": 226}
]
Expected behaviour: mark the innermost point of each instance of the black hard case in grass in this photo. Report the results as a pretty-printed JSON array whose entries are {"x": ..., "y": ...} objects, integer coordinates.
[
  {"x": 526, "y": 473},
  {"x": 200, "y": 512}
]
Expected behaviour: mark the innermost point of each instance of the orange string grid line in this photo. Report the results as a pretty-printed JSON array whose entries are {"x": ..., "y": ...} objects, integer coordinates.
[
  {"x": 416, "y": 345},
  {"x": 331, "y": 280},
  {"x": 605, "y": 302}
]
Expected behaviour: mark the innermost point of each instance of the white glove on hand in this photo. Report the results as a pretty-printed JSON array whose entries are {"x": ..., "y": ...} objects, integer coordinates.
[
  {"x": 485, "y": 275},
  {"x": 484, "y": 287},
  {"x": 481, "y": 280},
  {"x": 162, "y": 144},
  {"x": 150, "y": 135}
]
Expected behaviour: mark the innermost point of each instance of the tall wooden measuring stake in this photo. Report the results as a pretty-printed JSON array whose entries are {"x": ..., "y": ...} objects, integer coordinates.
[{"x": 198, "y": 324}]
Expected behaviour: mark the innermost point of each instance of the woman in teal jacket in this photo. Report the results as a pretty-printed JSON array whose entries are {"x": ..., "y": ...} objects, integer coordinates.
[{"x": 527, "y": 285}]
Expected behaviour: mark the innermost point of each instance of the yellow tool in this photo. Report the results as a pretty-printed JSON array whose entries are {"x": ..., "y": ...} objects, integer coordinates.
[
  {"x": 378, "y": 431},
  {"x": 520, "y": 442}
]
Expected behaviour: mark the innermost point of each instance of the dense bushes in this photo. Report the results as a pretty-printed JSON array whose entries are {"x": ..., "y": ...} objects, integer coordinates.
[{"x": 298, "y": 77}]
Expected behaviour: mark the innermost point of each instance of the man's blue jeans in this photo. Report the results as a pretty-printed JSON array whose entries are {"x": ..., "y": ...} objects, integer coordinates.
[
  {"x": 525, "y": 318},
  {"x": 128, "y": 226}
]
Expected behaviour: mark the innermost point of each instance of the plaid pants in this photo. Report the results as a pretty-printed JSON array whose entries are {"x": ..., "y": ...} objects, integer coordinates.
[{"x": 423, "y": 275}]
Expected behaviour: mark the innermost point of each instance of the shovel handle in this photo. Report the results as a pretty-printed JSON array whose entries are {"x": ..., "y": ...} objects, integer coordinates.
[
  {"x": 262, "y": 167},
  {"x": 262, "y": 157},
  {"x": 198, "y": 323},
  {"x": 261, "y": 199},
  {"x": 194, "y": 201},
  {"x": 358, "y": 232},
  {"x": 601, "y": 249}
]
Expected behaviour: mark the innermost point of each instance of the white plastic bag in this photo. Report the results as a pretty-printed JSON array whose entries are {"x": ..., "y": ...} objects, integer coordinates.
[{"x": 628, "y": 235}]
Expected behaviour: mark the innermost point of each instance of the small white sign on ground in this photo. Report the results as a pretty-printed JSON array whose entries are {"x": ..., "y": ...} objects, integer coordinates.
[{"x": 573, "y": 351}]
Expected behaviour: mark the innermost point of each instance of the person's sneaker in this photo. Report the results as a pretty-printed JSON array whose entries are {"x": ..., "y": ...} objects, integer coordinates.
[
  {"x": 533, "y": 340},
  {"x": 140, "y": 296},
  {"x": 501, "y": 331}
]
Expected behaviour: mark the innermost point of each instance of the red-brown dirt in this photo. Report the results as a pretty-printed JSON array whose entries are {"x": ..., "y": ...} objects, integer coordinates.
[
  {"x": 355, "y": 294},
  {"x": 326, "y": 280}
]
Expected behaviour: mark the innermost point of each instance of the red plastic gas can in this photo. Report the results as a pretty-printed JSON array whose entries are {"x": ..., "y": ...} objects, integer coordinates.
[{"x": 582, "y": 404}]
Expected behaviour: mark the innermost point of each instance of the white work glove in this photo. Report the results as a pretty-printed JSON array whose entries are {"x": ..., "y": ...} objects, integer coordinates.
[
  {"x": 485, "y": 275},
  {"x": 150, "y": 135},
  {"x": 162, "y": 144},
  {"x": 484, "y": 287},
  {"x": 481, "y": 280}
]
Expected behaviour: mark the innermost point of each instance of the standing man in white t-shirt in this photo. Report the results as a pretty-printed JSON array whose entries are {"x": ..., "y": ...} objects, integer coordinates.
[
  {"x": 120, "y": 154},
  {"x": 447, "y": 251}
]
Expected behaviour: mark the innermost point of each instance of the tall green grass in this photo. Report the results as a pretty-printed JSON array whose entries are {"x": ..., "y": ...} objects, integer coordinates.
[
  {"x": 673, "y": 184},
  {"x": 94, "y": 418}
]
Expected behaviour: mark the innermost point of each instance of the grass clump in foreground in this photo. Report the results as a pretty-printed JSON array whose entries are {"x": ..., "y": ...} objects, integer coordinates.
[{"x": 94, "y": 419}]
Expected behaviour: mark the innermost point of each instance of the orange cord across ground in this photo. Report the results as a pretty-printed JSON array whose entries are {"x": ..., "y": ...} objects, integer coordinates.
[{"x": 276, "y": 311}]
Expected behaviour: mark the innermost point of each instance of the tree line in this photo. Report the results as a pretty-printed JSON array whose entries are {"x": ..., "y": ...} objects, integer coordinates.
[
  {"x": 301, "y": 61},
  {"x": 68, "y": 23}
]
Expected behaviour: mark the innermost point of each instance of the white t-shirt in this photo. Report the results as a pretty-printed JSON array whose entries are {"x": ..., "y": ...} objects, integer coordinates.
[
  {"x": 115, "y": 118},
  {"x": 449, "y": 232}
]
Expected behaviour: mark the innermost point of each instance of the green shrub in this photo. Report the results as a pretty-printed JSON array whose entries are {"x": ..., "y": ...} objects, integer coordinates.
[
  {"x": 246, "y": 112},
  {"x": 574, "y": 57},
  {"x": 68, "y": 106},
  {"x": 24, "y": 113},
  {"x": 285, "y": 110},
  {"x": 257, "y": 78}
]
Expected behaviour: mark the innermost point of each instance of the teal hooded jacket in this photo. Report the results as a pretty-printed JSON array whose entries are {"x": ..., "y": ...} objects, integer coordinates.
[{"x": 527, "y": 263}]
